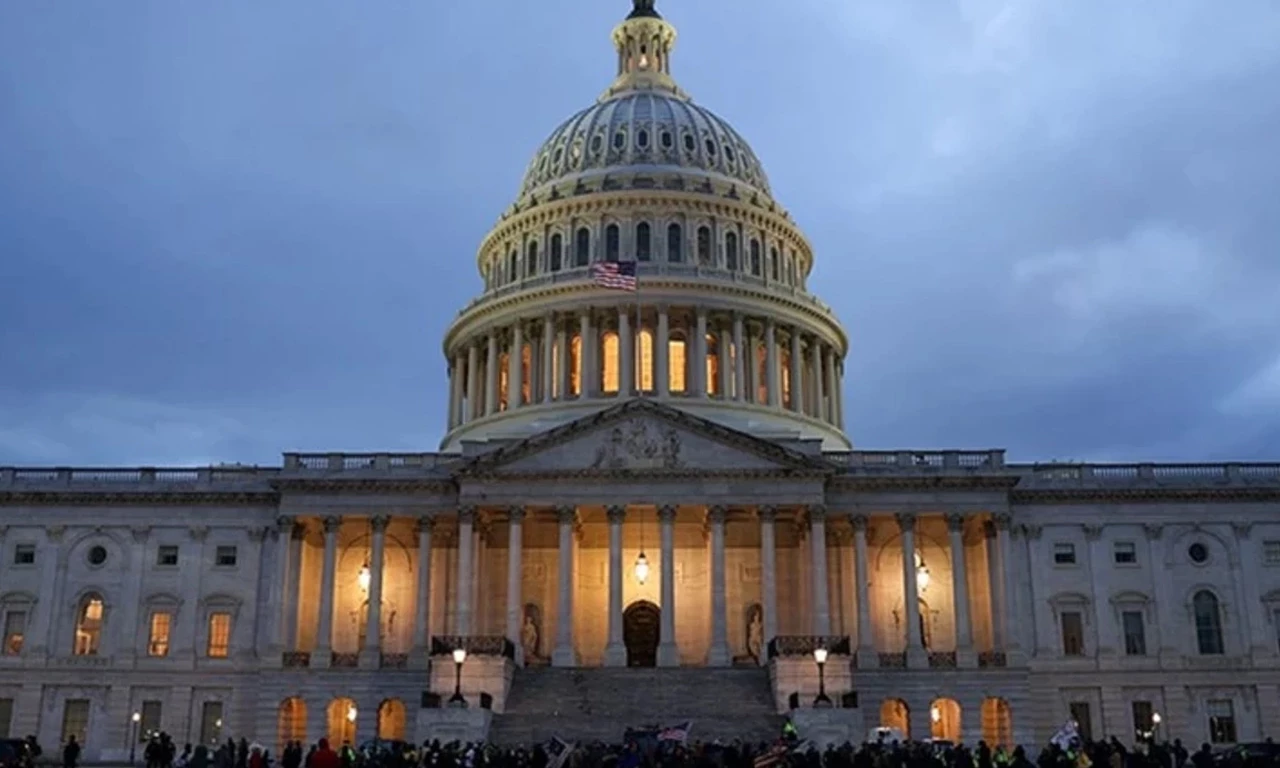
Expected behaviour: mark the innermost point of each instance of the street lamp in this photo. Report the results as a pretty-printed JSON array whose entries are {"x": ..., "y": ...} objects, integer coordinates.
[
  {"x": 134, "y": 720},
  {"x": 820, "y": 656},
  {"x": 459, "y": 656},
  {"x": 1155, "y": 725}
]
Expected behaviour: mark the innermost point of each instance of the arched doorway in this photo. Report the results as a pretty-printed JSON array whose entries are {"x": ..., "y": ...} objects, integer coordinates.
[
  {"x": 641, "y": 626},
  {"x": 997, "y": 722},
  {"x": 944, "y": 720},
  {"x": 894, "y": 714},
  {"x": 342, "y": 716},
  {"x": 391, "y": 716},
  {"x": 291, "y": 722}
]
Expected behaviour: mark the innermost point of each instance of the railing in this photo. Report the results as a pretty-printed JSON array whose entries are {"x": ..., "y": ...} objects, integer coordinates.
[
  {"x": 805, "y": 645},
  {"x": 990, "y": 659},
  {"x": 345, "y": 661},
  {"x": 893, "y": 660},
  {"x": 474, "y": 645},
  {"x": 393, "y": 661},
  {"x": 1078, "y": 475},
  {"x": 895, "y": 462},
  {"x": 158, "y": 477},
  {"x": 389, "y": 463},
  {"x": 295, "y": 659},
  {"x": 942, "y": 659}
]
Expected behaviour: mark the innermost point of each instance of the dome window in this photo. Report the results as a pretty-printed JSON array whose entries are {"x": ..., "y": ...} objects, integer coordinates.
[
  {"x": 704, "y": 245},
  {"x": 755, "y": 257},
  {"x": 531, "y": 259},
  {"x": 642, "y": 241},
  {"x": 612, "y": 244},
  {"x": 731, "y": 251},
  {"x": 773, "y": 264},
  {"x": 642, "y": 139},
  {"x": 711, "y": 148},
  {"x": 542, "y": 163},
  {"x": 689, "y": 143},
  {"x": 512, "y": 263},
  {"x": 728, "y": 153},
  {"x": 557, "y": 249},
  {"x": 559, "y": 155},
  {"x": 675, "y": 243},
  {"x": 597, "y": 142},
  {"x": 619, "y": 139},
  {"x": 582, "y": 248},
  {"x": 667, "y": 140}
]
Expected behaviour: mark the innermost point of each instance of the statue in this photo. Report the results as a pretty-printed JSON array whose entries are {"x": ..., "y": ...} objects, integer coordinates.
[
  {"x": 641, "y": 8},
  {"x": 755, "y": 636},
  {"x": 529, "y": 636}
]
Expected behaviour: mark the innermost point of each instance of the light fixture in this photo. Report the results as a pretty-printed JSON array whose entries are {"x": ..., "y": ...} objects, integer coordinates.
[
  {"x": 364, "y": 577},
  {"x": 935, "y": 714},
  {"x": 137, "y": 717},
  {"x": 457, "y": 699},
  {"x": 642, "y": 562},
  {"x": 1155, "y": 718},
  {"x": 922, "y": 573},
  {"x": 820, "y": 656},
  {"x": 352, "y": 714},
  {"x": 459, "y": 655}
]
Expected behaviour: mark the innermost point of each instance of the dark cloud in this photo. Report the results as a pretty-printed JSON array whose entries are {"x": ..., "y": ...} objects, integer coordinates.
[{"x": 228, "y": 232}]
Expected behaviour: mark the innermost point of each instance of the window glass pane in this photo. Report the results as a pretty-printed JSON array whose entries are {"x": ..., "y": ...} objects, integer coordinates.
[
  {"x": 6, "y": 718},
  {"x": 158, "y": 642},
  {"x": 609, "y": 374},
  {"x": 211, "y": 723},
  {"x": 15, "y": 631},
  {"x": 678, "y": 362},
  {"x": 1135, "y": 641},
  {"x": 644, "y": 360},
  {"x": 219, "y": 635},
  {"x": 75, "y": 720},
  {"x": 149, "y": 725},
  {"x": 1072, "y": 634}
]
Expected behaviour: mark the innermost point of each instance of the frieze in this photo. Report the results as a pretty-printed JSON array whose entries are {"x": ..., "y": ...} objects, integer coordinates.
[{"x": 138, "y": 498}]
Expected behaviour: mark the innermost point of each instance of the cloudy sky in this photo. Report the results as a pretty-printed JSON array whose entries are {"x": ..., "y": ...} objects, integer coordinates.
[{"x": 231, "y": 229}]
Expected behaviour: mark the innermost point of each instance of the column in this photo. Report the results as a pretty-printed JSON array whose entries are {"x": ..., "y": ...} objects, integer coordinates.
[
  {"x": 473, "y": 382},
  {"x": 995, "y": 584},
  {"x": 466, "y": 543},
  {"x": 740, "y": 357},
  {"x": 293, "y": 587},
  {"x": 564, "y": 654},
  {"x": 668, "y": 650},
  {"x": 662, "y": 371},
  {"x": 867, "y": 657},
  {"x": 491, "y": 376},
  {"x": 515, "y": 579},
  {"x": 815, "y": 364},
  {"x": 133, "y": 597},
  {"x": 515, "y": 366},
  {"x": 324, "y": 630},
  {"x": 839, "y": 395},
  {"x": 373, "y": 620},
  {"x": 280, "y": 586},
  {"x": 455, "y": 378},
  {"x": 797, "y": 371},
  {"x": 960, "y": 592},
  {"x": 1104, "y": 628},
  {"x": 615, "y": 652},
  {"x": 1166, "y": 635},
  {"x": 724, "y": 367},
  {"x": 818, "y": 560},
  {"x": 548, "y": 358},
  {"x": 626, "y": 357},
  {"x": 768, "y": 575},
  {"x": 1008, "y": 593},
  {"x": 718, "y": 655},
  {"x": 911, "y": 593},
  {"x": 829, "y": 412},
  {"x": 562, "y": 360},
  {"x": 586, "y": 355},
  {"x": 699, "y": 362},
  {"x": 422, "y": 600},
  {"x": 771, "y": 363},
  {"x": 1254, "y": 622}
]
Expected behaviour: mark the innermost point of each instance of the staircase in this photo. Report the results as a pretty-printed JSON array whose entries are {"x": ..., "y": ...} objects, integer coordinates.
[{"x": 599, "y": 704}]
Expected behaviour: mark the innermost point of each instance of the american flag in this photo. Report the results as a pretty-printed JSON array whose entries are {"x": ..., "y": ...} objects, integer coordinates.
[
  {"x": 558, "y": 750},
  {"x": 615, "y": 275},
  {"x": 676, "y": 732}
]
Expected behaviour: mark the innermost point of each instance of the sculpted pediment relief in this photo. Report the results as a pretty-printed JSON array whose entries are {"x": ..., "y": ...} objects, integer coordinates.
[{"x": 641, "y": 436}]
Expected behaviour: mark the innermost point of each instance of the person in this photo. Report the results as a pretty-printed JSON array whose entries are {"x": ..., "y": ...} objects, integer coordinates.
[
  {"x": 71, "y": 753},
  {"x": 324, "y": 757}
]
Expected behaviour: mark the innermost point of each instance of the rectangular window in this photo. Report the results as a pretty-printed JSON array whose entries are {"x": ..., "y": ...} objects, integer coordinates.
[
  {"x": 75, "y": 720},
  {"x": 1135, "y": 633},
  {"x": 1072, "y": 634},
  {"x": 15, "y": 631},
  {"x": 211, "y": 723},
  {"x": 1064, "y": 553},
  {"x": 6, "y": 718},
  {"x": 1084, "y": 720},
  {"x": 1125, "y": 553},
  {"x": 149, "y": 725},
  {"x": 167, "y": 555},
  {"x": 158, "y": 640},
  {"x": 1143, "y": 722},
  {"x": 1222, "y": 721},
  {"x": 1271, "y": 552},
  {"x": 219, "y": 635},
  {"x": 225, "y": 557},
  {"x": 24, "y": 554}
]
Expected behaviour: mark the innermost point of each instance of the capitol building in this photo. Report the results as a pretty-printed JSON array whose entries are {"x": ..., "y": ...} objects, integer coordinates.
[{"x": 647, "y": 508}]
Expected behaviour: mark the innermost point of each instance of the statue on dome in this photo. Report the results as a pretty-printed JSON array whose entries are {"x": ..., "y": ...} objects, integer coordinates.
[{"x": 642, "y": 8}]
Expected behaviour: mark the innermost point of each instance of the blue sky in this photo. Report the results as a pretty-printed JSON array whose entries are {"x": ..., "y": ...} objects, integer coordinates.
[{"x": 230, "y": 229}]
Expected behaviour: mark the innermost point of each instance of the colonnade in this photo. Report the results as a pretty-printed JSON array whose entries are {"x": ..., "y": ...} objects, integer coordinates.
[
  {"x": 653, "y": 350},
  {"x": 565, "y": 654}
]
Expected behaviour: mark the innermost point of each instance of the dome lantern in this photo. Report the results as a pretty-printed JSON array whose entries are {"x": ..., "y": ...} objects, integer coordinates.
[{"x": 644, "y": 41}]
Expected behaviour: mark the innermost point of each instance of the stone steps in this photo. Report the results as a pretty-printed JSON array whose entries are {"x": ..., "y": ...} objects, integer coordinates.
[{"x": 600, "y": 704}]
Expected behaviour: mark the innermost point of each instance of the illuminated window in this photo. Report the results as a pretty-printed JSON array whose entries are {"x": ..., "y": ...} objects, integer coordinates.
[
  {"x": 609, "y": 373},
  {"x": 526, "y": 374},
  {"x": 704, "y": 245},
  {"x": 712, "y": 365},
  {"x": 15, "y": 631},
  {"x": 502, "y": 381},
  {"x": 644, "y": 360},
  {"x": 582, "y": 248},
  {"x": 642, "y": 241},
  {"x": 762, "y": 374},
  {"x": 158, "y": 640},
  {"x": 784, "y": 362},
  {"x": 557, "y": 249},
  {"x": 612, "y": 243},
  {"x": 89, "y": 625},
  {"x": 733, "y": 370},
  {"x": 575, "y": 366},
  {"x": 219, "y": 635},
  {"x": 675, "y": 252},
  {"x": 678, "y": 362},
  {"x": 731, "y": 251},
  {"x": 531, "y": 259}
]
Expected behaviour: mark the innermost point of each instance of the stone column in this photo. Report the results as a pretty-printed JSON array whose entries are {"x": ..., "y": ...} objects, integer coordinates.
[
  {"x": 455, "y": 381},
  {"x": 1008, "y": 589},
  {"x": 668, "y": 650},
  {"x": 615, "y": 652},
  {"x": 815, "y": 364},
  {"x": 965, "y": 656},
  {"x": 662, "y": 353},
  {"x": 548, "y": 357},
  {"x": 1257, "y": 638},
  {"x": 564, "y": 654},
  {"x": 995, "y": 584},
  {"x": 818, "y": 562},
  {"x": 718, "y": 655},
  {"x": 293, "y": 587},
  {"x": 422, "y": 600},
  {"x": 279, "y": 619},
  {"x": 491, "y": 376},
  {"x": 515, "y": 579},
  {"x": 773, "y": 382},
  {"x": 562, "y": 359},
  {"x": 1165, "y": 644},
  {"x": 740, "y": 357},
  {"x": 829, "y": 411},
  {"x": 768, "y": 576},
  {"x": 724, "y": 342},
  {"x": 700, "y": 353},
  {"x": 797, "y": 371},
  {"x": 867, "y": 657},
  {"x": 328, "y": 572},
  {"x": 1104, "y": 629},
  {"x": 586, "y": 355},
  {"x": 839, "y": 422},
  {"x": 916, "y": 656},
  {"x": 465, "y": 579},
  {"x": 515, "y": 366},
  {"x": 626, "y": 353},
  {"x": 373, "y": 620},
  {"x": 473, "y": 383}
]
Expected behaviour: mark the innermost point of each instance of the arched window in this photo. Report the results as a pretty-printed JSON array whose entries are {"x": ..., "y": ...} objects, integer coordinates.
[
  {"x": 612, "y": 244},
  {"x": 609, "y": 374},
  {"x": 784, "y": 364},
  {"x": 712, "y": 365},
  {"x": 575, "y": 366},
  {"x": 755, "y": 257},
  {"x": 644, "y": 360},
  {"x": 89, "y": 619},
  {"x": 557, "y": 252},
  {"x": 732, "y": 373},
  {"x": 642, "y": 241},
  {"x": 773, "y": 264},
  {"x": 582, "y": 248},
  {"x": 704, "y": 245},
  {"x": 526, "y": 374},
  {"x": 531, "y": 259},
  {"x": 731, "y": 251},
  {"x": 503, "y": 384},
  {"x": 762, "y": 374},
  {"x": 678, "y": 363},
  {"x": 674, "y": 238},
  {"x": 1208, "y": 617},
  {"x": 513, "y": 260}
]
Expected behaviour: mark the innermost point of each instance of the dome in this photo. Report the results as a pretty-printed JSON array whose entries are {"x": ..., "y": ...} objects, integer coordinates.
[{"x": 640, "y": 132}]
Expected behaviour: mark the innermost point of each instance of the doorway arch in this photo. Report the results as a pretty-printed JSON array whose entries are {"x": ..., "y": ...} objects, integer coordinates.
[{"x": 641, "y": 628}]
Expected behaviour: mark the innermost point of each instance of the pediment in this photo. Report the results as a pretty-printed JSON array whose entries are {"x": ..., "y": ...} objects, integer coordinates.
[{"x": 644, "y": 437}]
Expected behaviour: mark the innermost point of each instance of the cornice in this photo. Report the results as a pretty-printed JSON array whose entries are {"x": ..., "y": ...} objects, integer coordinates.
[
  {"x": 922, "y": 482},
  {"x": 1143, "y": 495},
  {"x": 627, "y": 475},
  {"x": 365, "y": 485},
  {"x": 159, "y": 498}
]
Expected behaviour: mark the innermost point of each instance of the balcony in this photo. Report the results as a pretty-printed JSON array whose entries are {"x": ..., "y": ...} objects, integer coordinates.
[
  {"x": 1107, "y": 476},
  {"x": 992, "y": 660},
  {"x": 918, "y": 462}
]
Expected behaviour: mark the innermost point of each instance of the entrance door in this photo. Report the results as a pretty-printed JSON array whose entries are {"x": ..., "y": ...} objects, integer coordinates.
[{"x": 640, "y": 629}]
